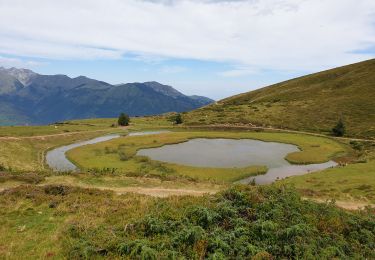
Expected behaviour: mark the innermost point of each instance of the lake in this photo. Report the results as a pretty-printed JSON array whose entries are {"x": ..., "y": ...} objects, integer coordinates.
[{"x": 230, "y": 153}]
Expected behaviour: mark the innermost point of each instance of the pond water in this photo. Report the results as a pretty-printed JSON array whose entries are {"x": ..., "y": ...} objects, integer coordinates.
[
  {"x": 203, "y": 152},
  {"x": 274, "y": 174},
  {"x": 222, "y": 153},
  {"x": 229, "y": 153},
  {"x": 57, "y": 160}
]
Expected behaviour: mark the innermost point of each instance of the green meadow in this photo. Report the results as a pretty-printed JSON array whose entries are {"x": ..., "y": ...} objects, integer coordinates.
[
  {"x": 355, "y": 181},
  {"x": 119, "y": 154}
]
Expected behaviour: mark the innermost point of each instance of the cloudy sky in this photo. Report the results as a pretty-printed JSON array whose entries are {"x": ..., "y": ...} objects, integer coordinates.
[{"x": 215, "y": 48}]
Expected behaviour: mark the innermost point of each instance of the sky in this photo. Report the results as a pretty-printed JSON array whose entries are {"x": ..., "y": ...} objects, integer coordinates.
[{"x": 215, "y": 48}]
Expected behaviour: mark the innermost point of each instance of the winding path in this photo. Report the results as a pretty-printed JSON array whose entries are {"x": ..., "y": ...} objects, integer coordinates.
[
  {"x": 253, "y": 127},
  {"x": 52, "y": 135},
  {"x": 217, "y": 126}
]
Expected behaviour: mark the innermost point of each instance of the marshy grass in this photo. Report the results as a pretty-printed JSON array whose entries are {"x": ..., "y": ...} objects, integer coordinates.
[{"x": 313, "y": 150}]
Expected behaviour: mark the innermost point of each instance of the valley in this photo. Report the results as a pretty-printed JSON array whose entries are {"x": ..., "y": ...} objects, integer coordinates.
[
  {"x": 114, "y": 180},
  {"x": 163, "y": 190},
  {"x": 116, "y": 159}
]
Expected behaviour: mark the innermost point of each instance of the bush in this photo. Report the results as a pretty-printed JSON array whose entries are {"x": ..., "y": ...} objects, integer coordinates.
[
  {"x": 176, "y": 119},
  {"x": 201, "y": 216},
  {"x": 2, "y": 167},
  {"x": 122, "y": 156},
  {"x": 153, "y": 226},
  {"x": 137, "y": 249},
  {"x": 123, "y": 119},
  {"x": 57, "y": 190},
  {"x": 339, "y": 129},
  {"x": 189, "y": 235},
  {"x": 356, "y": 145},
  {"x": 243, "y": 222},
  {"x": 31, "y": 178}
]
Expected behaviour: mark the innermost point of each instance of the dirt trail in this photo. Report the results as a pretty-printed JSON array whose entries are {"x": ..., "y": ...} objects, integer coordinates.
[
  {"x": 162, "y": 192},
  {"x": 166, "y": 192},
  {"x": 51, "y": 135},
  {"x": 159, "y": 192},
  {"x": 146, "y": 186},
  {"x": 349, "y": 205},
  {"x": 253, "y": 127},
  {"x": 218, "y": 126},
  {"x": 156, "y": 191}
]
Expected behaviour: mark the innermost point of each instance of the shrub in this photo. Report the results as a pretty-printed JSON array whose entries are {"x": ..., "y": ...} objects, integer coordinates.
[
  {"x": 177, "y": 119},
  {"x": 137, "y": 249},
  {"x": 356, "y": 145},
  {"x": 109, "y": 150},
  {"x": 189, "y": 235},
  {"x": 31, "y": 178},
  {"x": 2, "y": 167},
  {"x": 122, "y": 156},
  {"x": 201, "y": 216},
  {"x": 57, "y": 190},
  {"x": 123, "y": 119},
  {"x": 153, "y": 226},
  {"x": 243, "y": 222},
  {"x": 339, "y": 129}
]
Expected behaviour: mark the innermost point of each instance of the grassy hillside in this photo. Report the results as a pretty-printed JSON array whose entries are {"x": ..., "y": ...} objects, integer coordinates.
[{"x": 311, "y": 103}]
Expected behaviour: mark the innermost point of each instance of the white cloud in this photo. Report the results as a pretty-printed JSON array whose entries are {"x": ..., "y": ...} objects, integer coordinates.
[
  {"x": 239, "y": 71},
  {"x": 21, "y": 63},
  {"x": 272, "y": 34},
  {"x": 172, "y": 69}
]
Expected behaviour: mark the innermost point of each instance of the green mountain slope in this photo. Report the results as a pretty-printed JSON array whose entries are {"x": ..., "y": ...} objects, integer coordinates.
[{"x": 312, "y": 103}]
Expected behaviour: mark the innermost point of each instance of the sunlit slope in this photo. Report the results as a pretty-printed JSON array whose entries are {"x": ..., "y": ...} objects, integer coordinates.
[{"x": 314, "y": 103}]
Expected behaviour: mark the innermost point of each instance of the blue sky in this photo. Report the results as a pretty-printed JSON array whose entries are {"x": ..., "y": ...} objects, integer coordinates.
[{"x": 212, "y": 48}]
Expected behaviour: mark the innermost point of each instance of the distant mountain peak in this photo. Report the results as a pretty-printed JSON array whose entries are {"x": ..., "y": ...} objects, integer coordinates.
[
  {"x": 164, "y": 89},
  {"x": 23, "y": 75},
  {"x": 81, "y": 77}
]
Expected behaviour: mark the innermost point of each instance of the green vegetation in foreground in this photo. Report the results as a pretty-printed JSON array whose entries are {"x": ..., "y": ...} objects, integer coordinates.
[
  {"x": 268, "y": 222},
  {"x": 119, "y": 154},
  {"x": 311, "y": 103}
]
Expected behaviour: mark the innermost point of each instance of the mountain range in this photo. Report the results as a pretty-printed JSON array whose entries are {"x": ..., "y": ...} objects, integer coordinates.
[{"x": 27, "y": 97}]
